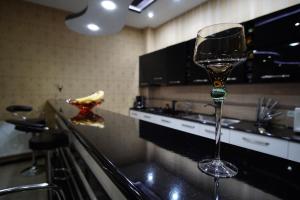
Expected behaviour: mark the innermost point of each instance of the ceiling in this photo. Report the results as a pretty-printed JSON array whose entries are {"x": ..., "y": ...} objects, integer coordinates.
[{"x": 163, "y": 10}]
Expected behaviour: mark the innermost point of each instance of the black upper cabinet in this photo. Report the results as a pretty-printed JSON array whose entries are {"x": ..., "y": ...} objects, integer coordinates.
[
  {"x": 152, "y": 68},
  {"x": 176, "y": 64},
  {"x": 273, "y": 45},
  {"x": 164, "y": 67},
  {"x": 195, "y": 74},
  {"x": 276, "y": 47}
]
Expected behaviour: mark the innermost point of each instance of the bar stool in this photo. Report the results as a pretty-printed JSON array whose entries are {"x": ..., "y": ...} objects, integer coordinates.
[
  {"x": 34, "y": 126},
  {"x": 35, "y": 129},
  {"x": 17, "y": 109},
  {"x": 48, "y": 141}
]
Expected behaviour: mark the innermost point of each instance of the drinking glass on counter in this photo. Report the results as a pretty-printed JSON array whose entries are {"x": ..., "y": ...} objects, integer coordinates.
[{"x": 218, "y": 49}]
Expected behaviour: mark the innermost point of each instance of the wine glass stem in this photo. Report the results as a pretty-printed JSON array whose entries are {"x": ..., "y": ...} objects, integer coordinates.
[{"x": 218, "y": 111}]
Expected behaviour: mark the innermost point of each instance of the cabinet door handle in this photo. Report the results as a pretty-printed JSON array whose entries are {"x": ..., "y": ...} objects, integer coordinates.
[
  {"x": 255, "y": 141},
  {"x": 270, "y": 76},
  {"x": 157, "y": 78},
  {"x": 200, "y": 80},
  {"x": 211, "y": 132},
  {"x": 231, "y": 79},
  {"x": 188, "y": 126},
  {"x": 147, "y": 117},
  {"x": 165, "y": 121},
  {"x": 174, "y": 82}
]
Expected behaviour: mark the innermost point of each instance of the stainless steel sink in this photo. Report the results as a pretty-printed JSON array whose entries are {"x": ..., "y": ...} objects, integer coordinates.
[{"x": 210, "y": 119}]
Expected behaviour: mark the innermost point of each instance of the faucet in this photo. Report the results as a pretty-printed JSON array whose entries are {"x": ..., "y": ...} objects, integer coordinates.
[{"x": 265, "y": 111}]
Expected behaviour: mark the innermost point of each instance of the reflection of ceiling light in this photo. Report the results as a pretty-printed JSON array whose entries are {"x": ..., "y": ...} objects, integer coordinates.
[
  {"x": 93, "y": 27},
  {"x": 174, "y": 194},
  {"x": 293, "y": 44},
  {"x": 108, "y": 5},
  {"x": 140, "y": 5},
  {"x": 150, "y": 177},
  {"x": 150, "y": 14},
  {"x": 297, "y": 23},
  {"x": 176, "y": 1}
]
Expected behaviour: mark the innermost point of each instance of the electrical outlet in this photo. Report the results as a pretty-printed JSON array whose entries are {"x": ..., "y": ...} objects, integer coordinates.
[{"x": 290, "y": 113}]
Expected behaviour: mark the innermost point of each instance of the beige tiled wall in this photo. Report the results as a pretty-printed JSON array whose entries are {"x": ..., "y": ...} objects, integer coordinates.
[{"x": 38, "y": 52}]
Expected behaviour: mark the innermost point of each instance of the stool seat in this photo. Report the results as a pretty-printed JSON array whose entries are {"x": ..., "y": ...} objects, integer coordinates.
[
  {"x": 49, "y": 140},
  {"x": 34, "y": 122},
  {"x": 31, "y": 129},
  {"x": 19, "y": 108}
]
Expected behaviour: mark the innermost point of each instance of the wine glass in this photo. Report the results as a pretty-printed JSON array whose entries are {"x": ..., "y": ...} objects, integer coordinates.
[{"x": 218, "y": 49}]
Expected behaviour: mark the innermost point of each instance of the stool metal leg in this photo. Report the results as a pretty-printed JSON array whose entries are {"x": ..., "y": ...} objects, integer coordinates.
[
  {"x": 40, "y": 186},
  {"x": 34, "y": 169}
]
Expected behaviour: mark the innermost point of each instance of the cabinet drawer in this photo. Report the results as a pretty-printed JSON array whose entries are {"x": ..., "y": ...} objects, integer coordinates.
[
  {"x": 209, "y": 132},
  {"x": 166, "y": 121},
  {"x": 294, "y": 151},
  {"x": 186, "y": 126},
  {"x": 135, "y": 114},
  {"x": 150, "y": 118},
  {"x": 272, "y": 146}
]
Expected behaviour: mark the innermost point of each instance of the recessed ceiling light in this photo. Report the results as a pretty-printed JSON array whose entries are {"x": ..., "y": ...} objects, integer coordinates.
[
  {"x": 140, "y": 5},
  {"x": 297, "y": 23},
  {"x": 150, "y": 14},
  {"x": 294, "y": 44},
  {"x": 93, "y": 27},
  {"x": 108, "y": 5}
]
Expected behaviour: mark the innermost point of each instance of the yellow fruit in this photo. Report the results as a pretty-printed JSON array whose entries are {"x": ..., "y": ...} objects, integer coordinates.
[{"x": 95, "y": 97}]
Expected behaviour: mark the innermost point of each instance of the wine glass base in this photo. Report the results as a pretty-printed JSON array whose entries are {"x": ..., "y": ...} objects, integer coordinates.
[{"x": 217, "y": 168}]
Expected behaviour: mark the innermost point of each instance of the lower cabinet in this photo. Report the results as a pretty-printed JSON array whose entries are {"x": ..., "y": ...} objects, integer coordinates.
[
  {"x": 264, "y": 144},
  {"x": 209, "y": 132},
  {"x": 294, "y": 151},
  {"x": 271, "y": 146}
]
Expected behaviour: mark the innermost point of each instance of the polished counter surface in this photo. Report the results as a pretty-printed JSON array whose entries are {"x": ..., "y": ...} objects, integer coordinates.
[{"x": 149, "y": 162}]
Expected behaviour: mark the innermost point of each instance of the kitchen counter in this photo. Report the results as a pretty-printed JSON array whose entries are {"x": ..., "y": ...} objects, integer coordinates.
[
  {"x": 146, "y": 163},
  {"x": 276, "y": 131}
]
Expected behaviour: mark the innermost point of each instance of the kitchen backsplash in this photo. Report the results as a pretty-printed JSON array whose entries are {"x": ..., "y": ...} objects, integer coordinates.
[{"x": 241, "y": 101}]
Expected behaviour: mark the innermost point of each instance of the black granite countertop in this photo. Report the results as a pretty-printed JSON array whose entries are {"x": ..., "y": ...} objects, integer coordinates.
[
  {"x": 277, "y": 131},
  {"x": 161, "y": 164}
]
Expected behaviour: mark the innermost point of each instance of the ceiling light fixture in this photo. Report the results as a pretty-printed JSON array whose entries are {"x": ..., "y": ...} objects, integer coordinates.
[
  {"x": 140, "y": 5},
  {"x": 93, "y": 27},
  {"x": 297, "y": 23},
  {"x": 150, "y": 14},
  {"x": 108, "y": 5},
  {"x": 293, "y": 44}
]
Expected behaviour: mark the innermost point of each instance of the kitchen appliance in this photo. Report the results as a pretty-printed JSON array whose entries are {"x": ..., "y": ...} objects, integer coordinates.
[
  {"x": 140, "y": 102},
  {"x": 297, "y": 120}
]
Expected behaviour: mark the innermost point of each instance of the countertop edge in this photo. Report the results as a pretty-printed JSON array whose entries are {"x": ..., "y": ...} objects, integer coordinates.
[{"x": 125, "y": 186}]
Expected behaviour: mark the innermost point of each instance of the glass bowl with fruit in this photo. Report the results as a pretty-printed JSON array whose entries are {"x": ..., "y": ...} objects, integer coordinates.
[{"x": 85, "y": 104}]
